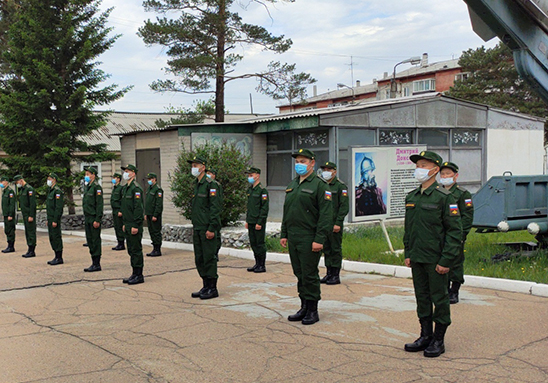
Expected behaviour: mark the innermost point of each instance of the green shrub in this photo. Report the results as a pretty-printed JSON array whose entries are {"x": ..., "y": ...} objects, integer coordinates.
[{"x": 230, "y": 165}]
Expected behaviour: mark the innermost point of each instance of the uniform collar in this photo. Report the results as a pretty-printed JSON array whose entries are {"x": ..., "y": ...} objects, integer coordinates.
[
  {"x": 333, "y": 181},
  {"x": 309, "y": 178},
  {"x": 431, "y": 188},
  {"x": 258, "y": 185},
  {"x": 453, "y": 187}
]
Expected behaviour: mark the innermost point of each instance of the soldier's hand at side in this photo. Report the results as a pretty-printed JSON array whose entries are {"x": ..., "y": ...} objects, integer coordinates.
[
  {"x": 258, "y": 227},
  {"x": 316, "y": 247},
  {"x": 145, "y": 217},
  {"x": 96, "y": 224},
  {"x": 119, "y": 214},
  {"x": 54, "y": 224},
  {"x": 408, "y": 262},
  {"x": 283, "y": 242},
  {"x": 246, "y": 226},
  {"x": 442, "y": 270},
  {"x": 134, "y": 230},
  {"x": 123, "y": 227},
  {"x": 10, "y": 218},
  {"x": 336, "y": 229},
  {"x": 210, "y": 234},
  {"x": 154, "y": 219},
  {"x": 31, "y": 219}
]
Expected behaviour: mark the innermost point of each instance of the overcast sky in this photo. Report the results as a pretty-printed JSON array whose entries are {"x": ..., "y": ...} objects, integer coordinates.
[{"x": 327, "y": 36}]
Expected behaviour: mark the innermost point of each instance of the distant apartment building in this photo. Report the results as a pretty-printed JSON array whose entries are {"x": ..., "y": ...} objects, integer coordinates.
[{"x": 419, "y": 79}]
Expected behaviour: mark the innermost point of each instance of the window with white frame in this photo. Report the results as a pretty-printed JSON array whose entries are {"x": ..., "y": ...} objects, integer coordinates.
[
  {"x": 424, "y": 85},
  {"x": 462, "y": 76}
]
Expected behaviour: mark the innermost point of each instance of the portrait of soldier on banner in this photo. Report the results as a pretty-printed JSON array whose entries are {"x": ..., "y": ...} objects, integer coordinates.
[{"x": 369, "y": 189}]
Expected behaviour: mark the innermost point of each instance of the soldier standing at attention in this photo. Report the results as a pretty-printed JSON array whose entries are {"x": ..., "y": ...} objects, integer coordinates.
[
  {"x": 8, "y": 210},
  {"x": 27, "y": 202},
  {"x": 116, "y": 205},
  {"x": 206, "y": 208},
  {"x": 449, "y": 173},
  {"x": 306, "y": 223},
  {"x": 212, "y": 175},
  {"x": 154, "y": 206},
  {"x": 432, "y": 241},
  {"x": 54, "y": 209},
  {"x": 255, "y": 221},
  {"x": 132, "y": 214},
  {"x": 93, "y": 215},
  {"x": 332, "y": 247}
]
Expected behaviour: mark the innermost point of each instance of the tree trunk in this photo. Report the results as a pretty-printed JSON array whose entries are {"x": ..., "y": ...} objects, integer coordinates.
[{"x": 220, "y": 66}]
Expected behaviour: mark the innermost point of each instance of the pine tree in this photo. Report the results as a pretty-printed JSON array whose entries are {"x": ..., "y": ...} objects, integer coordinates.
[
  {"x": 199, "y": 44},
  {"x": 47, "y": 104}
]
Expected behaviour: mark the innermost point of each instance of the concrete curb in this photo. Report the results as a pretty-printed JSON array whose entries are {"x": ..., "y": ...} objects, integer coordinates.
[{"x": 523, "y": 287}]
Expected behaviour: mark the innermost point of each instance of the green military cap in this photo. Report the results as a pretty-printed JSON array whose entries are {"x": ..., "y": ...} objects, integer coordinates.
[
  {"x": 53, "y": 175},
  {"x": 305, "y": 153},
  {"x": 197, "y": 160},
  {"x": 2, "y": 179},
  {"x": 151, "y": 175},
  {"x": 253, "y": 170},
  {"x": 91, "y": 169},
  {"x": 451, "y": 165},
  {"x": 116, "y": 175},
  {"x": 427, "y": 155},
  {"x": 18, "y": 177},
  {"x": 130, "y": 167},
  {"x": 330, "y": 165},
  {"x": 211, "y": 170}
]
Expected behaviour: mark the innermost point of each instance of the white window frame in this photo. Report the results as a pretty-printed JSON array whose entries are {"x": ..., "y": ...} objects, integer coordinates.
[{"x": 427, "y": 85}]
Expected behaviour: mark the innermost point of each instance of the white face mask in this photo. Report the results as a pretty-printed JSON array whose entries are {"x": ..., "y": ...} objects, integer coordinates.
[
  {"x": 421, "y": 175},
  {"x": 49, "y": 182},
  {"x": 327, "y": 175},
  {"x": 447, "y": 181},
  {"x": 126, "y": 176},
  {"x": 195, "y": 172}
]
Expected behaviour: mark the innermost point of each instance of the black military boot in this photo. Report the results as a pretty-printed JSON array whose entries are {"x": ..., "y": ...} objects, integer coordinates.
[
  {"x": 261, "y": 268},
  {"x": 437, "y": 347},
  {"x": 126, "y": 280},
  {"x": 334, "y": 277},
  {"x": 327, "y": 276},
  {"x": 424, "y": 340},
  {"x": 202, "y": 290},
  {"x": 137, "y": 277},
  {"x": 95, "y": 266},
  {"x": 10, "y": 248},
  {"x": 155, "y": 252},
  {"x": 119, "y": 246},
  {"x": 30, "y": 252},
  {"x": 454, "y": 293},
  {"x": 311, "y": 313},
  {"x": 211, "y": 291},
  {"x": 58, "y": 260},
  {"x": 299, "y": 315},
  {"x": 252, "y": 268}
]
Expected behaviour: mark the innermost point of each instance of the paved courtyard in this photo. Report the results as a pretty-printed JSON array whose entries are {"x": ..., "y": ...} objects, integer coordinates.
[{"x": 59, "y": 324}]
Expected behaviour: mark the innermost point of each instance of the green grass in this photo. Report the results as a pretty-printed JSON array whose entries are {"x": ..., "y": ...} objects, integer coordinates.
[{"x": 369, "y": 245}]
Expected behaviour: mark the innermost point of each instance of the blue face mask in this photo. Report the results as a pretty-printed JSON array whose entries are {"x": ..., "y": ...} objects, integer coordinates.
[
  {"x": 251, "y": 180},
  {"x": 2, "y": 186},
  {"x": 150, "y": 182},
  {"x": 87, "y": 178},
  {"x": 301, "y": 169},
  {"x": 113, "y": 181},
  {"x": 208, "y": 175}
]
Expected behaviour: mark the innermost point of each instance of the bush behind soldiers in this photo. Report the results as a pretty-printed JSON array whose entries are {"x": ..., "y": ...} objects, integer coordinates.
[
  {"x": 255, "y": 222},
  {"x": 154, "y": 206},
  {"x": 9, "y": 202}
]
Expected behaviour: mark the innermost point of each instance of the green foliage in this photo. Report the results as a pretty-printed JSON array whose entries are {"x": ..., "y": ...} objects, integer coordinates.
[
  {"x": 196, "y": 115},
  {"x": 494, "y": 81},
  {"x": 48, "y": 100},
  {"x": 281, "y": 82},
  {"x": 8, "y": 10},
  {"x": 200, "y": 44},
  {"x": 230, "y": 165}
]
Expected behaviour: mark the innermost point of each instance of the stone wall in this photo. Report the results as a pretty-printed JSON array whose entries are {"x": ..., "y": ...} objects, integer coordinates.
[{"x": 72, "y": 222}]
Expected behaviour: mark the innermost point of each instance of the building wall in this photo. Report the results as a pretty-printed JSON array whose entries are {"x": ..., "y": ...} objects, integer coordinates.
[
  {"x": 170, "y": 147},
  {"x": 514, "y": 144},
  {"x": 128, "y": 149},
  {"x": 259, "y": 155}
]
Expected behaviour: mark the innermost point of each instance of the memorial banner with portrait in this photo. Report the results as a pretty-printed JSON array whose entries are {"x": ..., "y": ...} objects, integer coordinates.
[{"x": 381, "y": 178}]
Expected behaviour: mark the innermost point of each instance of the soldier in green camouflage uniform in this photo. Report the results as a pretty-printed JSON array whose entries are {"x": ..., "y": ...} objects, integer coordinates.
[
  {"x": 449, "y": 173},
  {"x": 206, "y": 208},
  {"x": 255, "y": 221},
  {"x": 212, "y": 174},
  {"x": 332, "y": 248},
  {"x": 154, "y": 206},
  {"x": 133, "y": 216},
  {"x": 432, "y": 242},
  {"x": 9, "y": 203},
  {"x": 93, "y": 215},
  {"x": 27, "y": 203},
  {"x": 54, "y": 210},
  {"x": 116, "y": 205},
  {"x": 306, "y": 223}
]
